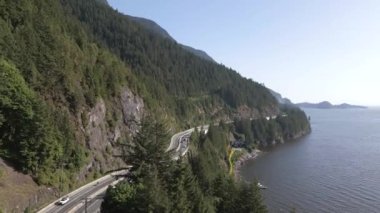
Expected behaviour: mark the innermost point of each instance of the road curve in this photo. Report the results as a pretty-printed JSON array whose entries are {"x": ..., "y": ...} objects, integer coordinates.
[
  {"x": 180, "y": 141},
  {"x": 95, "y": 191}
]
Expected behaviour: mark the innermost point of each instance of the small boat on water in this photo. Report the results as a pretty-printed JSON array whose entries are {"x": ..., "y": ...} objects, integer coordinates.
[{"x": 261, "y": 186}]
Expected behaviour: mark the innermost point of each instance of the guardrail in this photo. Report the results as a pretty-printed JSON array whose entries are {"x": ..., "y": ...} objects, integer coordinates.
[{"x": 48, "y": 207}]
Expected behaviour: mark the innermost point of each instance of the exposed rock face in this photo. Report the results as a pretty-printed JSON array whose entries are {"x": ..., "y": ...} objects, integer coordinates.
[
  {"x": 101, "y": 137},
  {"x": 96, "y": 126},
  {"x": 116, "y": 135},
  {"x": 96, "y": 138},
  {"x": 133, "y": 109},
  {"x": 247, "y": 112},
  {"x": 270, "y": 111}
]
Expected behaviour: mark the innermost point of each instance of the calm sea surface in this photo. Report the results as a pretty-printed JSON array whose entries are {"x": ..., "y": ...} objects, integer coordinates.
[{"x": 334, "y": 169}]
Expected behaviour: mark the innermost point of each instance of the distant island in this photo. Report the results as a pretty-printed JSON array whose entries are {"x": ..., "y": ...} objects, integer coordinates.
[{"x": 328, "y": 105}]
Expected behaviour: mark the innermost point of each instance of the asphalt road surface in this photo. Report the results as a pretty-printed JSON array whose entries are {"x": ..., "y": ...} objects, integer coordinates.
[
  {"x": 92, "y": 192},
  {"x": 91, "y": 195}
]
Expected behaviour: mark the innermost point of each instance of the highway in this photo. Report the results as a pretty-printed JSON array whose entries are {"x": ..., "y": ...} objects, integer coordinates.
[
  {"x": 90, "y": 196},
  {"x": 180, "y": 141},
  {"x": 92, "y": 192},
  {"x": 94, "y": 205}
]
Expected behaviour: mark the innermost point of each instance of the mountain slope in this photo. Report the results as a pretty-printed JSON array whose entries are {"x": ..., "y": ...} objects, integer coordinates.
[
  {"x": 84, "y": 74},
  {"x": 152, "y": 26},
  {"x": 200, "y": 53},
  {"x": 157, "y": 29},
  {"x": 164, "y": 64},
  {"x": 281, "y": 99},
  {"x": 105, "y": 2},
  {"x": 63, "y": 98},
  {"x": 78, "y": 77}
]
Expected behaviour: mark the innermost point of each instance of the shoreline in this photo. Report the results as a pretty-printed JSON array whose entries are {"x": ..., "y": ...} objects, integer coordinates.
[
  {"x": 243, "y": 159},
  {"x": 256, "y": 153}
]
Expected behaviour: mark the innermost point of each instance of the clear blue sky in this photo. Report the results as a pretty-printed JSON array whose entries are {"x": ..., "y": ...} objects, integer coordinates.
[{"x": 308, "y": 50}]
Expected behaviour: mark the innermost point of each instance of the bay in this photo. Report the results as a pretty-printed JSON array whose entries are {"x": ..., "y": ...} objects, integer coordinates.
[{"x": 334, "y": 169}]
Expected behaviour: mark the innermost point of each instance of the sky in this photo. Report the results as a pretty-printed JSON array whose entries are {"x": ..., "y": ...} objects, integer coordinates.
[{"x": 308, "y": 50}]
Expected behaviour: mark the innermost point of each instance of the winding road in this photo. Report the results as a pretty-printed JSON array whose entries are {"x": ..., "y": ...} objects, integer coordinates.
[
  {"x": 90, "y": 196},
  {"x": 179, "y": 142}
]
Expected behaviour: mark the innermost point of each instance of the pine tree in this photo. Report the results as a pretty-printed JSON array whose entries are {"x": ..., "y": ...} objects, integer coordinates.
[
  {"x": 249, "y": 199},
  {"x": 148, "y": 147}
]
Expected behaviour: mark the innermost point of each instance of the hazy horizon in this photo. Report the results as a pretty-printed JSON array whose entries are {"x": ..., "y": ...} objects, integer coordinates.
[{"x": 309, "y": 51}]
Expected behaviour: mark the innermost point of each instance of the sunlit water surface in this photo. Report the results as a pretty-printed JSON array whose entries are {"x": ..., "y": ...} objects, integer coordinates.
[{"x": 334, "y": 169}]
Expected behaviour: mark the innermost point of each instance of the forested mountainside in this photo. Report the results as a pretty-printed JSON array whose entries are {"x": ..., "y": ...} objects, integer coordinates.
[
  {"x": 77, "y": 78},
  {"x": 176, "y": 76},
  {"x": 157, "y": 29},
  {"x": 62, "y": 97},
  {"x": 280, "y": 99},
  {"x": 198, "y": 182},
  {"x": 291, "y": 124},
  {"x": 199, "y": 53},
  {"x": 103, "y": 2}
]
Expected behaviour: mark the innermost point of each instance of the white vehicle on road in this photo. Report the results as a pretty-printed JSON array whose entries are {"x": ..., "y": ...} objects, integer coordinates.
[{"x": 63, "y": 200}]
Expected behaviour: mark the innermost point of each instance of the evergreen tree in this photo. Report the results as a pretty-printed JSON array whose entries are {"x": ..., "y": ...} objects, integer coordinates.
[
  {"x": 249, "y": 199},
  {"x": 148, "y": 147},
  {"x": 197, "y": 183}
]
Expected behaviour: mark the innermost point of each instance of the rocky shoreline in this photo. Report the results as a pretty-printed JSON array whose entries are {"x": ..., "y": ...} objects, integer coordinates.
[
  {"x": 248, "y": 156},
  {"x": 256, "y": 152}
]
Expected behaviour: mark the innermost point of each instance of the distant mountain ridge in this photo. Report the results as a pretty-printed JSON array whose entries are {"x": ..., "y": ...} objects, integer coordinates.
[
  {"x": 76, "y": 85},
  {"x": 157, "y": 29},
  {"x": 152, "y": 26},
  {"x": 280, "y": 99},
  {"x": 199, "y": 53},
  {"x": 328, "y": 105}
]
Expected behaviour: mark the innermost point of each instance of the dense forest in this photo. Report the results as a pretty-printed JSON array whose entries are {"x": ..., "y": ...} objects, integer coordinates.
[
  {"x": 259, "y": 133},
  {"x": 68, "y": 54},
  {"x": 196, "y": 183},
  {"x": 71, "y": 72},
  {"x": 162, "y": 63}
]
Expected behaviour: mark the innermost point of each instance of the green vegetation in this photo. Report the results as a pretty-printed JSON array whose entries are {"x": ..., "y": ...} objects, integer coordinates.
[
  {"x": 169, "y": 72},
  {"x": 198, "y": 183},
  {"x": 291, "y": 124},
  {"x": 59, "y": 58},
  {"x": 235, "y": 155},
  {"x": 28, "y": 135},
  {"x": 50, "y": 71}
]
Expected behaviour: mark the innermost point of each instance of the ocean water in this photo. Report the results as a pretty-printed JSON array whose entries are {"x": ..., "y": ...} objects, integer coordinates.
[{"x": 334, "y": 169}]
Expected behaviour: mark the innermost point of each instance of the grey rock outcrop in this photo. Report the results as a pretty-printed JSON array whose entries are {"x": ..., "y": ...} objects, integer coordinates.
[
  {"x": 133, "y": 109},
  {"x": 96, "y": 126}
]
